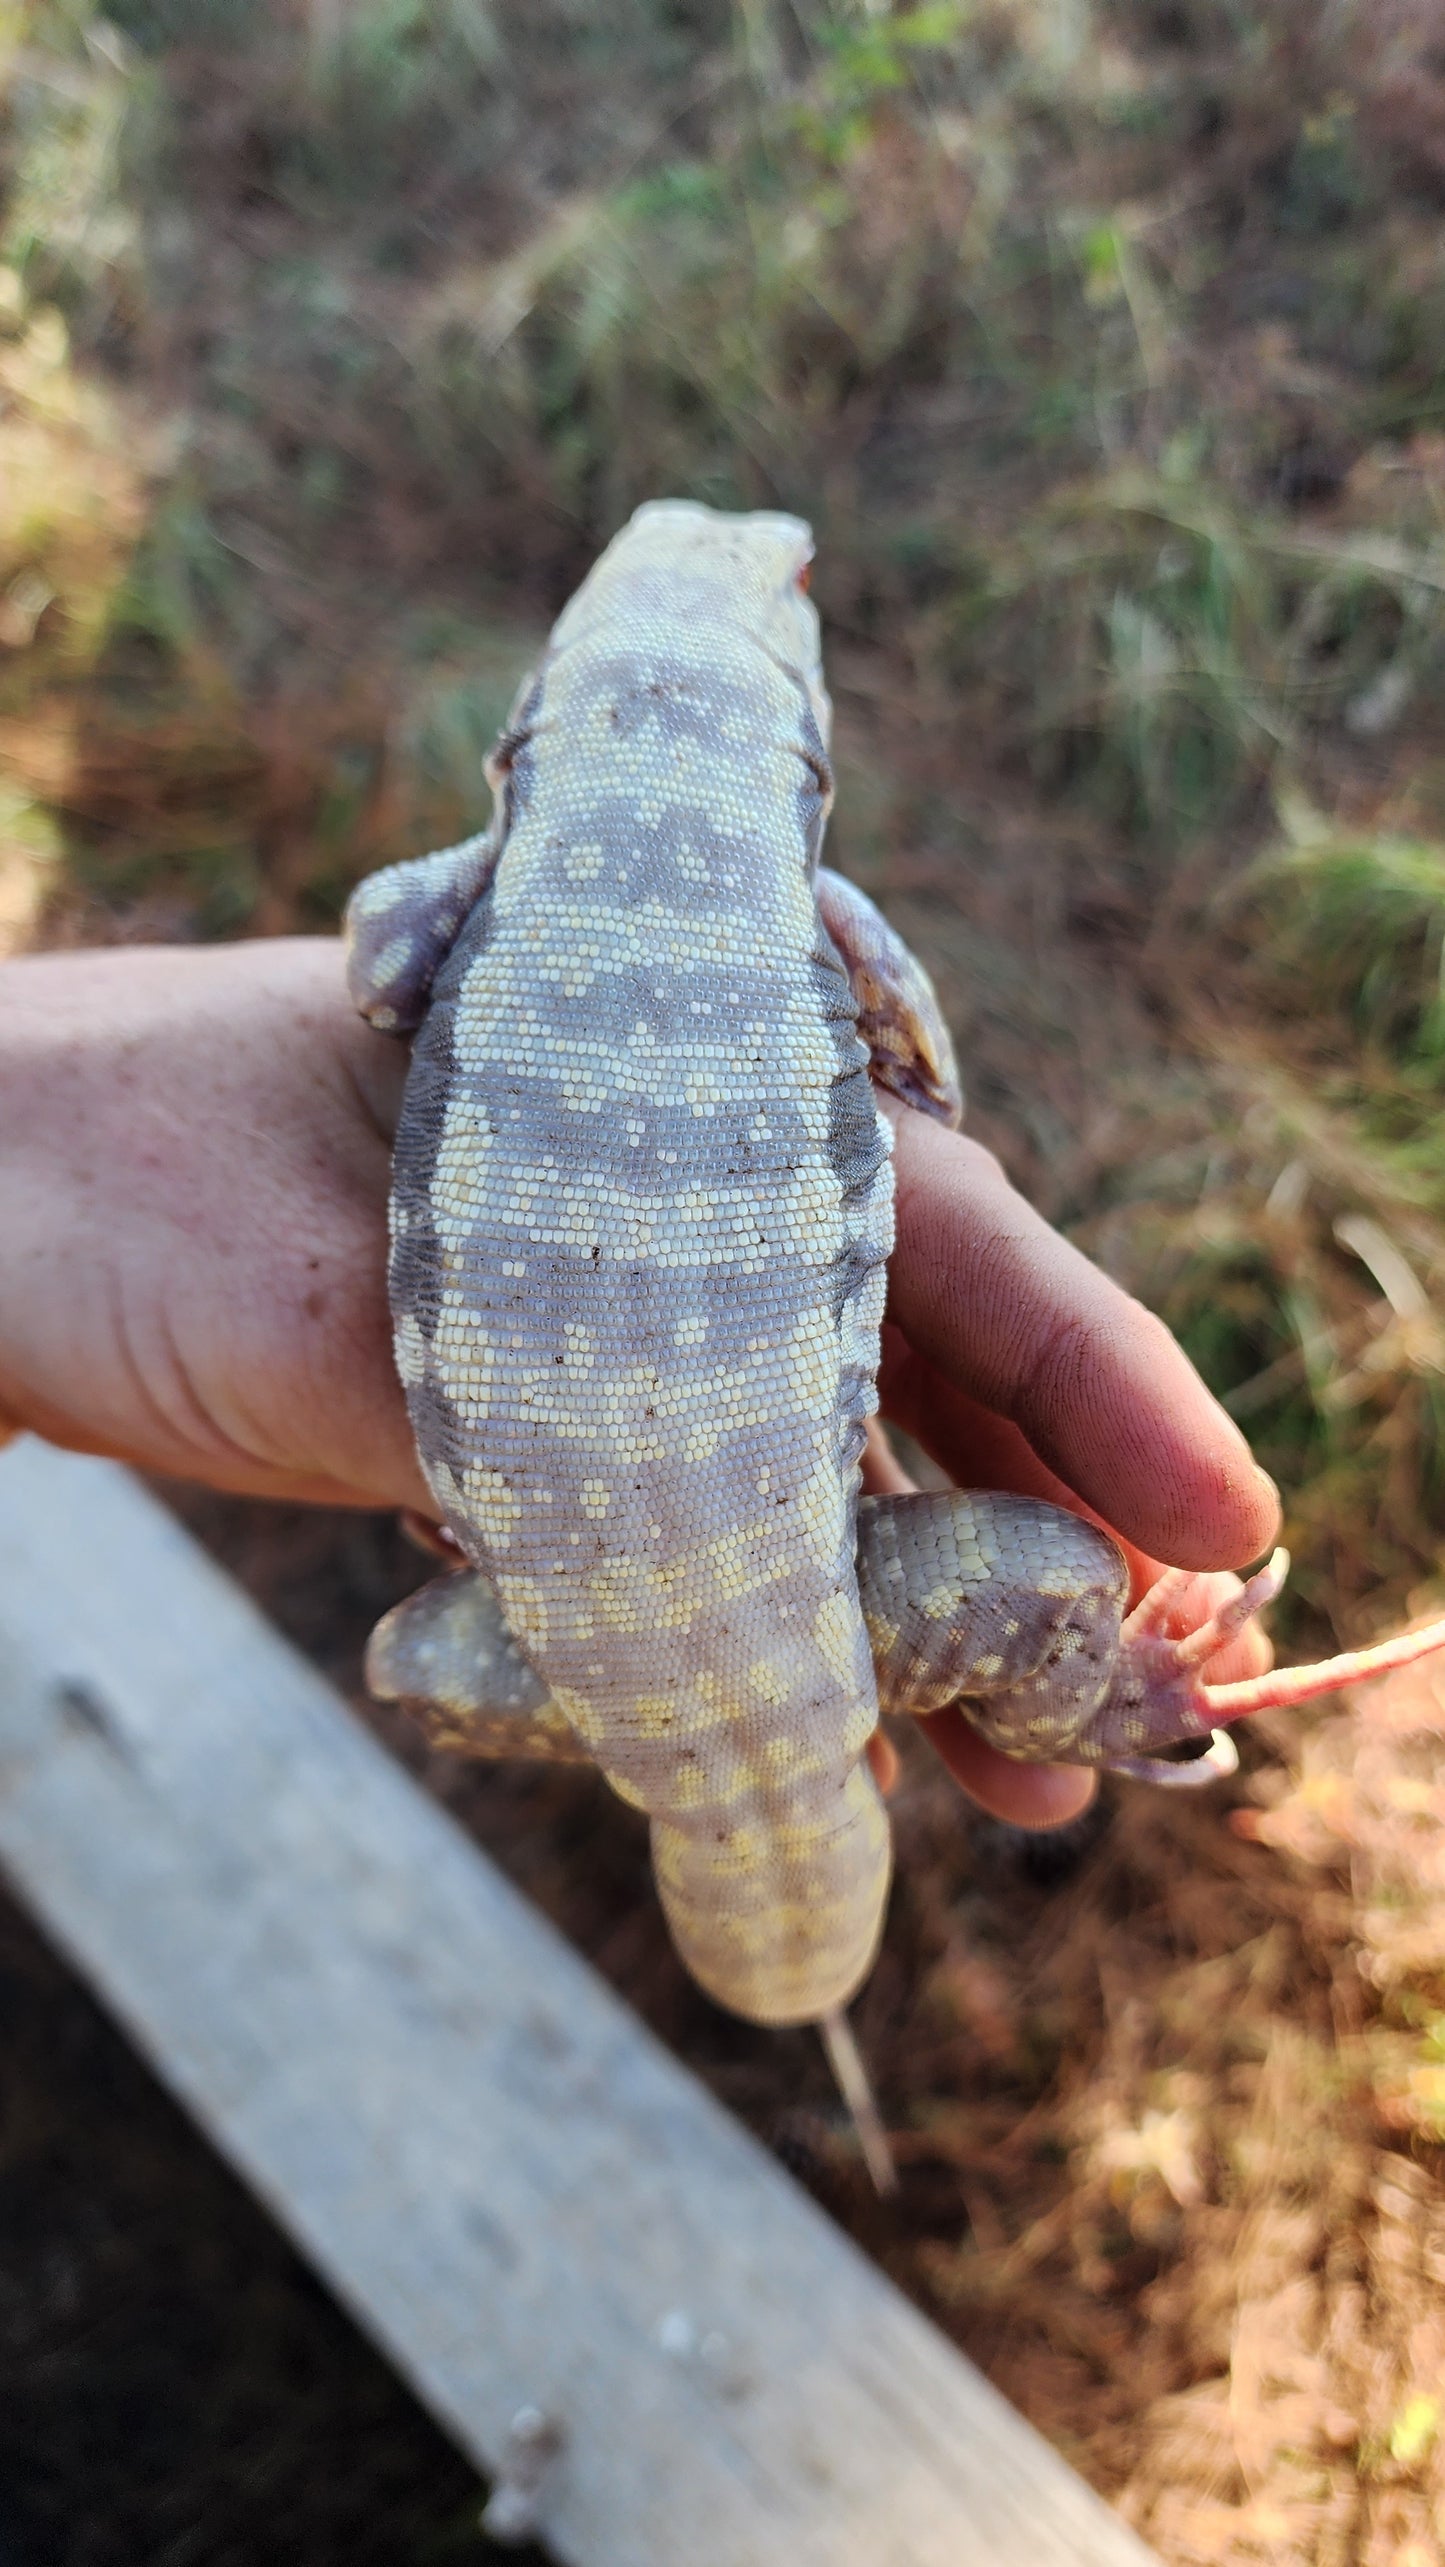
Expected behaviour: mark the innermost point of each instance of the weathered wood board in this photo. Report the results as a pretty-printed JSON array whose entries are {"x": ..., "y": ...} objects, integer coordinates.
[{"x": 517, "y": 2191}]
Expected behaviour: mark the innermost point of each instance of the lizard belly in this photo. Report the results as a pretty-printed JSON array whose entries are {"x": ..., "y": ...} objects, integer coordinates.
[{"x": 642, "y": 1210}]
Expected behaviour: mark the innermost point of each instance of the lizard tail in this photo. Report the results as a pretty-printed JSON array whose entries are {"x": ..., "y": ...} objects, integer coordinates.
[
  {"x": 779, "y": 1922},
  {"x": 856, "y": 2088}
]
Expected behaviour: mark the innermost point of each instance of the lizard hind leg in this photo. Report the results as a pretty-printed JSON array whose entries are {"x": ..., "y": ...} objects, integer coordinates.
[
  {"x": 1004, "y": 1605},
  {"x": 446, "y": 1655},
  {"x": 899, "y": 1017},
  {"x": 1015, "y": 1610},
  {"x": 402, "y": 923}
]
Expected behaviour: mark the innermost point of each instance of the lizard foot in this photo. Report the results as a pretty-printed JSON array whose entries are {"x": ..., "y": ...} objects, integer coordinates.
[
  {"x": 446, "y": 1655},
  {"x": 1159, "y": 1696}
]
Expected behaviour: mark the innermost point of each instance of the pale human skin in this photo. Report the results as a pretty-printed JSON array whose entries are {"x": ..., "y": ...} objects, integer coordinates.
[{"x": 194, "y": 1164}]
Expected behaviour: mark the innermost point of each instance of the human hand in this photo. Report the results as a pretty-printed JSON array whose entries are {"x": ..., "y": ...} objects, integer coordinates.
[
  {"x": 194, "y": 1163},
  {"x": 195, "y": 1146},
  {"x": 1016, "y": 1364}
]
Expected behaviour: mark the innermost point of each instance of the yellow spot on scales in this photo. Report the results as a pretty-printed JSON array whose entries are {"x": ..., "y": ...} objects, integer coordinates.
[
  {"x": 392, "y": 960},
  {"x": 835, "y": 1629},
  {"x": 525, "y": 1608},
  {"x": 465, "y": 1357},
  {"x": 410, "y": 1349},
  {"x": 821, "y": 1515},
  {"x": 787, "y": 1757},
  {"x": 635, "y": 1593},
  {"x": 581, "y": 1714},
  {"x": 493, "y": 1505},
  {"x": 652, "y": 1715},
  {"x": 690, "y": 1789}
]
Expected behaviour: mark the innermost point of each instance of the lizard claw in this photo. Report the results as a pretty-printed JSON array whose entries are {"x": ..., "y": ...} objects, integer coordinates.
[
  {"x": 1185, "y": 1773},
  {"x": 1158, "y": 1604},
  {"x": 1159, "y": 1697},
  {"x": 1148, "y": 1624},
  {"x": 1285, "y": 1685}
]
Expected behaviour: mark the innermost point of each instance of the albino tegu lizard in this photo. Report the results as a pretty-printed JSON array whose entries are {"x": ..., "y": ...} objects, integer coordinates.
[{"x": 641, "y": 1211}]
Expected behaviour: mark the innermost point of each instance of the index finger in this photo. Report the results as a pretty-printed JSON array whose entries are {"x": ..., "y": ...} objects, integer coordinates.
[{"x": 1018, "y": 1319}]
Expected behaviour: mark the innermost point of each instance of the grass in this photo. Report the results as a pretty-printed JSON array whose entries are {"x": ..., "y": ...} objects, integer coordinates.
[{"x": 1102, "y": 343}]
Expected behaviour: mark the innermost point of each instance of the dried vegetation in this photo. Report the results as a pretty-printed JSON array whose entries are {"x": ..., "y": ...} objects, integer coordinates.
[{"x": 1102, "y": 344}]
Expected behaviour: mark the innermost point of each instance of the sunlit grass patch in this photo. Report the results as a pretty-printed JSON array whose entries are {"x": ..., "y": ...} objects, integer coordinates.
[
  {"x": 1175, "y": 650},
  {"x": 1354, "y": 920},
  {"x": 1297, "y": 1242},
  {"x": 927, "y": 273},
  {"x": 71, "y": 501}
]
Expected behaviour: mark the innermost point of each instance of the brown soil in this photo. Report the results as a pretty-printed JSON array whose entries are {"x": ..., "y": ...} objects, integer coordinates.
[{"x": 1166, "y": 2172}]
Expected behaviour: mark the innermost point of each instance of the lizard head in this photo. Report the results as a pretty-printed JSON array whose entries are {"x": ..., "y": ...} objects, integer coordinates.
[{"x": 746, "y": 574}]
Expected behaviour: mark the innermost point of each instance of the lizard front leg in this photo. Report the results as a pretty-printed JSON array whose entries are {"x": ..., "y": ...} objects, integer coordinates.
[
  {"x": 400, "y": 926},
  {"x": 899, "y": 1017},
  {"x": 446, "y": 1655}
]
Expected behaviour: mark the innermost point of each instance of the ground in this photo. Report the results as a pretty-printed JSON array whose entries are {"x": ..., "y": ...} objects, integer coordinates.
[{"x": 1101, "y": 344}]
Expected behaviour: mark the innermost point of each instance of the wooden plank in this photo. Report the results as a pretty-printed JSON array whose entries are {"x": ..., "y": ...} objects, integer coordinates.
[{"x": 516, "y": 2190}]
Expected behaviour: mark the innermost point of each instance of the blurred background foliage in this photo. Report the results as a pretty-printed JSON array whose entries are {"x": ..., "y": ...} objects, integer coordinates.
[{"x": 1103, "y": 341}]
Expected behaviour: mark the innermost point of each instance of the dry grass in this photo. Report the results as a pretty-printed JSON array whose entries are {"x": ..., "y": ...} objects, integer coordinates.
[
  {"x": 1102, "y": 344},
  {"x": 1168, "y": 2100},
  {"x": 1230, "y": 2307}
]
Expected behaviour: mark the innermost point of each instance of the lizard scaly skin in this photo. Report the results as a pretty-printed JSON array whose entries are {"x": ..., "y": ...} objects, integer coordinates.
[{"x": 642, "y": 1205}]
